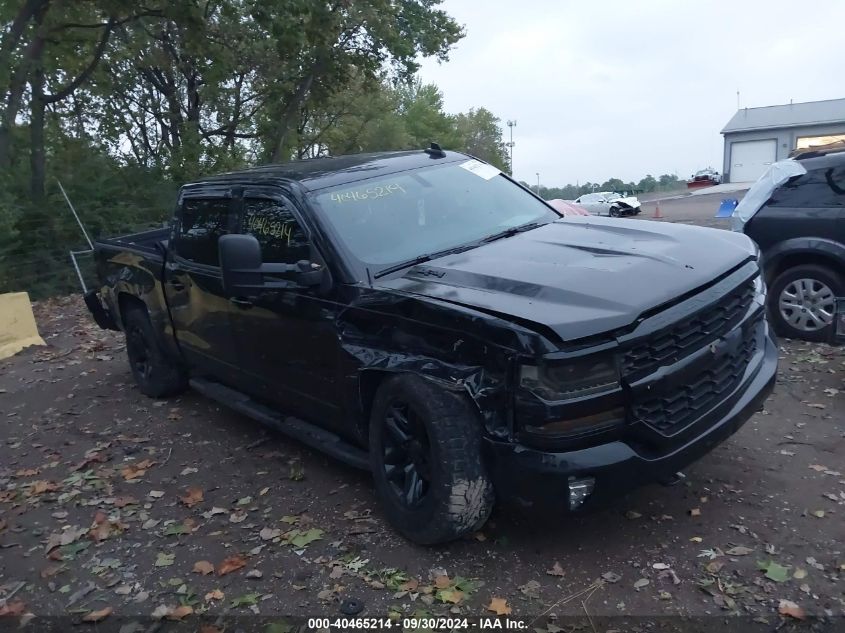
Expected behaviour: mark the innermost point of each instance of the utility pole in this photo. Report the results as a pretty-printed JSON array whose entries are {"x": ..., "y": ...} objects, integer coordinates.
[
  {"x": 511, "y": 125},
  {"x": 538, "y": 183}
]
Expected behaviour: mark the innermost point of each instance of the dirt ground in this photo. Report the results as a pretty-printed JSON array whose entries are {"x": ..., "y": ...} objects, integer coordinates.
[{"x": 114, "y": 506}]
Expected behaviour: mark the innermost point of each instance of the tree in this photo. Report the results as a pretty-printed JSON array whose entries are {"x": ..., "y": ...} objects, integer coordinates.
[{"x": 479, "y": 134}]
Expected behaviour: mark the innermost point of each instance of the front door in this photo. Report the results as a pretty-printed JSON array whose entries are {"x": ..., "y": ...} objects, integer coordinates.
[
  {"x": 286, "y": 336},
  {"x": 193, "y": 285}
]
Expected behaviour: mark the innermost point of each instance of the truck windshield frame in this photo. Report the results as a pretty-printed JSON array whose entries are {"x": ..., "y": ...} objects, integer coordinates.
[{"x": 383, "y": 222}]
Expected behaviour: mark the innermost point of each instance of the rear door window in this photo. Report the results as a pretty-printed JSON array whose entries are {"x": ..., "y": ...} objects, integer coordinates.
[
  {"x": 817, "y": 188},
  {"x": 202, "y": 222}
]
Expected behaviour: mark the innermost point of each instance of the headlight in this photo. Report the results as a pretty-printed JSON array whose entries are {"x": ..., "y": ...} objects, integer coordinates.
[
  {"x": 760, "y": 289},
  {"x": 567, "y": 380}
]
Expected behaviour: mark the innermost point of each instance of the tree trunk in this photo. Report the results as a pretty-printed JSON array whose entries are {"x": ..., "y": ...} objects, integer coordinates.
[
  {"x": 291, "y": 110},
  {"x": 36, "y": 137},
  {"x": 13, "y": 96}
]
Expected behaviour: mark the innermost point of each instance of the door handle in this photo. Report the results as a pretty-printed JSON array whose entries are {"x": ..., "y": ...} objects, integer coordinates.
[
  {"x": 241, "y": 302},
  {"x": 176, "y": 285}
]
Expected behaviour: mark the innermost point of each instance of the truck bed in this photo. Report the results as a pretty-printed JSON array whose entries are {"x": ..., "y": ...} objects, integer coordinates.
[{"x": 145, "y": 241}]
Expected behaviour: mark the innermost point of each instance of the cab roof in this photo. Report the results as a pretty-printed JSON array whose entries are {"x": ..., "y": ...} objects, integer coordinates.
[{"x": 318, "y": 173}]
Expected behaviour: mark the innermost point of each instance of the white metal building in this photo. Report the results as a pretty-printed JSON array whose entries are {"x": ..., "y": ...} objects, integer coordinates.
[{"x": 756, "y": 137}]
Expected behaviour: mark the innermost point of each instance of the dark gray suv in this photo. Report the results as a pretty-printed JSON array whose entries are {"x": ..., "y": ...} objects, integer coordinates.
[{"x": 795, "y": 213}]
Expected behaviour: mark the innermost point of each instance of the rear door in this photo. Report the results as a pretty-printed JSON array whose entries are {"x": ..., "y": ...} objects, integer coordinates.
[{"x": 193, "y": 283}]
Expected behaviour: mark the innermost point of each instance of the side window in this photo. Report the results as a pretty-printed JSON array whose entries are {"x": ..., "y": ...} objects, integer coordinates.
[
  {"x": 202, "y": 222},
  {"x": 817, "y": 188},
  {"x": 274, "y": 225}
]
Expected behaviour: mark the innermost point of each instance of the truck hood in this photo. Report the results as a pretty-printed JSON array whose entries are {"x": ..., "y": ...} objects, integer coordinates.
[{"x": 579, "y": 276}]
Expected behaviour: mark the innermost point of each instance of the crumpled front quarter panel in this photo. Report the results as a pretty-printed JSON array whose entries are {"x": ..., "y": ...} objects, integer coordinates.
[{"x": 460, "y": 350}]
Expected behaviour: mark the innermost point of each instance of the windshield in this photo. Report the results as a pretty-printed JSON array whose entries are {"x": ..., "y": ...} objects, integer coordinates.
[
  {"x": 760, "y": 192},
  {"x": 402, "y": 216},
  {"x": 612, "y": 196}
]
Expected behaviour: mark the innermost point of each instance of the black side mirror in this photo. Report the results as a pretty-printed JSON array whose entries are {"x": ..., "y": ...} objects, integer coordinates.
[
  {"x": 243, "y": 269},
  {"x": 240, "y": 263}
]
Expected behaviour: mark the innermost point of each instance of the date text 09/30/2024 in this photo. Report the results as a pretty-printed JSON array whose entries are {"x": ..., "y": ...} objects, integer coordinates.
[{"x": 422, "y": 624}]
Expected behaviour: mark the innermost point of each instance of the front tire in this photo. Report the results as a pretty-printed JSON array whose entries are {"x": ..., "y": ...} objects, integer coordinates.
[
  {"x": 425, "y": 452},
  {"x": 615, "y": 212},
  {"x": 156, "y": 375},
  {"x": 802, "y": 302}
]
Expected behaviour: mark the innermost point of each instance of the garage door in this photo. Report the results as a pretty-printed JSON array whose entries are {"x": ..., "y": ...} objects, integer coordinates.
[{"x": 750, "y": 159}]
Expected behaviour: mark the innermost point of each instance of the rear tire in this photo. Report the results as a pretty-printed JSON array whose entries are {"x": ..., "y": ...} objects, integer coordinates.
[
  {"x": 812, "y": 290},
  {"x": 156, "y": 375},
  {"x": 425, "y": 452}
]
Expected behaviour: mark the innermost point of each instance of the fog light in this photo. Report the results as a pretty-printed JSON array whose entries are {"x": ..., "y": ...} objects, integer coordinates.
[{"x": 579, "y": 490}]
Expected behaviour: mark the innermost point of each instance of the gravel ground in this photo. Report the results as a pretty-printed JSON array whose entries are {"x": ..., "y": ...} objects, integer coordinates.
[{"x": 114, "y": 506}]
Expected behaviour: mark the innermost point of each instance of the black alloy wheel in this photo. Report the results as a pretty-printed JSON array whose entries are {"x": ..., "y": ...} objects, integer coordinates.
[{"x": 406, "y": 455}]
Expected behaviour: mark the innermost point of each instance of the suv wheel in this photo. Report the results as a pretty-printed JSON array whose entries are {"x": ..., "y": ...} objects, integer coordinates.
[
  {"x": 802, "y": 302},
  {"x": 425, "y": 451},
  {"x": 615, "y": 212},
  {"x": 155, "y": 374}
]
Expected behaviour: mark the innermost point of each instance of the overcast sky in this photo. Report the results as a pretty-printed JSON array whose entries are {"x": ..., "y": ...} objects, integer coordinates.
[{"x": 606, "y": 88}]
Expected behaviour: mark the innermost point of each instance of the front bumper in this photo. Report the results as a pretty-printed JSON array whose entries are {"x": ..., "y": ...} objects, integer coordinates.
[{"x": 529, "y": 477}]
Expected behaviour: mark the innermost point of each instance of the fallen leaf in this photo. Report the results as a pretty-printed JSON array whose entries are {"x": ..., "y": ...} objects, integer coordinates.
[
  {"x": 122, "y": 502},
  {"x": 216, "y": 594},
  {"x": 556, "y": 570},
  {"x": 231, "y": 564},
  {"x": 818, "y": 468},
  {"x": 180, "y": 612},
  {"x": 799, "y": 574},
  {"x": 453, "y": 596},
  {"x": 136, "y": 470},
  {"x": 246, "y": 600},
  {"x": 442, "y": 582},
  {"x": 819, "y": 514},
  {"x": 739, "y": 550},
  {"x": 203, "y": 567},
  {"x": 642, "y": 582},
  {"x": 611, "y": 577},
  {"x": 268, "y": 534},
  {"x": 97, "y": 616},
  {"x": 774, "y": 571},
  {"x": 499, "y": 606},
  {"x": 696, "y": 539},
  {"x": 156, "y": 494},
  {"x": 192, "y": 497},
  {"x": 303, "y": 538},
  {"x": 41, "y": 486},
  {"x": 715, "y": 566},
  {"x": 787, "y": 607},
  {"x": 632, "y": 514},
  {"x": 164, "y": 559},
  {"x": 13, "y": 608},
  {"x": 660, "y": 566}
]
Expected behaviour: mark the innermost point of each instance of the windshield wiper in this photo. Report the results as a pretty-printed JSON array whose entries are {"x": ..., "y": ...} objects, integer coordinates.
[
  {"x": 421, "y": 259},
  {"x": 511, "y": 231}
]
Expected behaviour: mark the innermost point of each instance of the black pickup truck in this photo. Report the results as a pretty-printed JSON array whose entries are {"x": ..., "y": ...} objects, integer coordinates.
[{"x": 421, "y": 315}]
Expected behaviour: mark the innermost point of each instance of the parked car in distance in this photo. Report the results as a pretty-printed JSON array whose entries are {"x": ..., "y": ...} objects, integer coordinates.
[
  {"x": 795, "y": 213},
  {"x": 421, "y": 315},
  {"x": 566, "y": 208},
  {"x": 609, "y": 203},
  {"x": 704, "y": 178}
]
